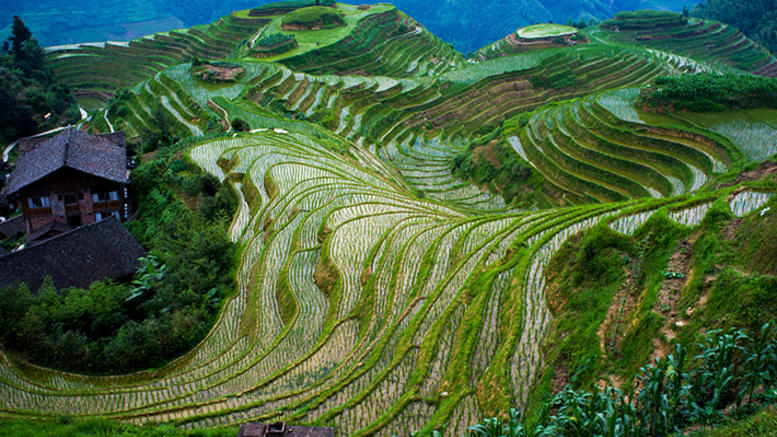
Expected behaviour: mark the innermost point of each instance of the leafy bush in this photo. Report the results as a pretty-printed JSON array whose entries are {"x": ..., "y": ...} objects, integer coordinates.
[
  {"x": 732, "y": 370},
  {"x": 240, "y": 125}
]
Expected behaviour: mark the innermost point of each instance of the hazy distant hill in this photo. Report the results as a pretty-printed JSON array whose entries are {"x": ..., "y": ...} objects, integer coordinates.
[{"x": 465, "y": 24}]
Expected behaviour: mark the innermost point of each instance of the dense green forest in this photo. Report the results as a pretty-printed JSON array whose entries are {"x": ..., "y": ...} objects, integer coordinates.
[
  {"x": 755, "y": 18},
  {"x": 28, "y": 88}
]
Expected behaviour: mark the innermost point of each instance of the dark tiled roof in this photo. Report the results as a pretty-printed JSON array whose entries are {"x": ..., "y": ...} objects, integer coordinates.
[
  {"x": 91, "y": 154},
  {"x": 75, "y": 259},
  {"x": 257, "y": 429},
  {"x": 13, "y": 228},
  {"x": 54, "y": 227}
]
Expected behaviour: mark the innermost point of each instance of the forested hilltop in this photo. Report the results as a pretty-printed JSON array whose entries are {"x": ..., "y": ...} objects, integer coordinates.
[
  {"x": 33, "y": 99},
  {"x": 352, "y": 224}
]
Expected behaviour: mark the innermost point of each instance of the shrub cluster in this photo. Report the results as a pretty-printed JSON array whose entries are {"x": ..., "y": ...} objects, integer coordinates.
[
  {"x": 709, "y": 92},
  {"x": 28, "y": 90},
  {"x": 732, "y": 372},
  {"x": 276, "y": 39}
]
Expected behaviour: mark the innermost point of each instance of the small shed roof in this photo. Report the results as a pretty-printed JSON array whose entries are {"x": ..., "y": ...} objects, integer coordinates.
[
  {"x": 258, "y": 429},
  {"x": 12, "y": 228}
]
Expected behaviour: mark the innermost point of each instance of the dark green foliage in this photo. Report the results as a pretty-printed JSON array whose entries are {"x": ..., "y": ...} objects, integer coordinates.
[
  {"x": 515, "y": 178},
  {"x": 762, "y": 424},
  {"x": 28, "y": 90},
  {"x": 240, "y": 125},
  {"x": 644, "y": 19},
  {"x": 275, "y": 39},
  {"x": 755, "y": 18},
  {"x": 275, "y": 44},
  {"x": 589, "y": 260},
  {"x": 173, "y": 300},
  {"x": 66, "y": 426},
  {"x": 710, "y": 92},
  {"x": 731, "y": 370},
  {"x": 163, "y": 132},
  {"x": 292, "y": 4}
]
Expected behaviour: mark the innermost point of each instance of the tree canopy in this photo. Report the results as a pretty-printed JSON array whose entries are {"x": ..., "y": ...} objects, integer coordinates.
[{"x": 28, "y": 89}]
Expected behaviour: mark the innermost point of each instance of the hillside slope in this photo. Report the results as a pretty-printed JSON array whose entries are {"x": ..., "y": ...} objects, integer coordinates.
[
  {"x": 464, "y": 24},
  {"x": 410, "y": 222}
]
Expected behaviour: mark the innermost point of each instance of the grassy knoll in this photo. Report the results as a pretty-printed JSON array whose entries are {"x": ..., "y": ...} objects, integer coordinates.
[{"x": 309, "y": 40}]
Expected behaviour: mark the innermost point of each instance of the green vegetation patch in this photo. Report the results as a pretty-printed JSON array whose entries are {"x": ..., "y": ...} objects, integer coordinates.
[
  {"x": 709, "y": 92},
  {"x": 644, "y": 19},
  {"x": 274, "y": 44},
  {"x": 33, "y": 100},
  {"x": 285, "y": 6},
  {"x": 545, "y": 30},
  {"x": 66, "y": 426},
  {"x": 313, "y": 18}
]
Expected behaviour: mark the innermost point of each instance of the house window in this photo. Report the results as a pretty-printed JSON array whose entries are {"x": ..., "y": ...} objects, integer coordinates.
[
  {"x": 74, "y": 220},
  {"x": 71, "y": 199},
  {"x": 39, "y": 202},
  {"x": 105, "y": 196}
]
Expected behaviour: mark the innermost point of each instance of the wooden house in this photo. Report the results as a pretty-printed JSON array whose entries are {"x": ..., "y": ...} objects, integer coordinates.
[{"x": 70, "y": 180}]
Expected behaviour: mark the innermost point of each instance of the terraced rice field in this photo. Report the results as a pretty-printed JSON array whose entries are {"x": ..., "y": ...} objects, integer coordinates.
[
  {"x": 378, "y": 293},
  {"x": 382, "y": 283},
  {"x": 707, "y": 41},
  {"x": 379, "y": 41},
  {"x": 754, "y": 131},
  {"x": 599, "y": 149},
  {"x": 100, "y": 71}
]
